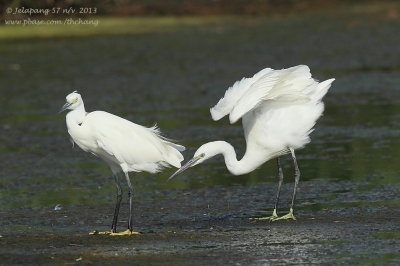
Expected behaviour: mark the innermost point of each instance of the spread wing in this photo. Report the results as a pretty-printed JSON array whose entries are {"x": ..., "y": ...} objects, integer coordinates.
[{"x": 286, "y": 85}]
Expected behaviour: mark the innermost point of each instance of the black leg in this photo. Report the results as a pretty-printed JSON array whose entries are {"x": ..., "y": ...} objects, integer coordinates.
[
  {"x": 130, "y": 197},
  {"x": 118, "y": 204},
  {"x": 296, "y": 182},
  {"x": 280, "y": 181},
  {"x": 296, "y": 177}
]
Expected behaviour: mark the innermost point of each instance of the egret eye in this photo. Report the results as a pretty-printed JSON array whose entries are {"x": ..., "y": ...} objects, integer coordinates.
[
  {"x": 202, "y": 155},
  {"x": 72, "y": 101}
]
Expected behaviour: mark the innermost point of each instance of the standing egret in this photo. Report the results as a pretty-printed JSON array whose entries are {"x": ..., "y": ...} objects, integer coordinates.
[
  {"x": 279, "y": 109},
  {"x": 123, "y": 145}
]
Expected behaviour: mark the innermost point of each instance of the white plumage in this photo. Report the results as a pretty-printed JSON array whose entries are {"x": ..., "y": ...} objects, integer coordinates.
[
  {"x": 279, "y": 109},
  {"x": 124, "y": 145}
]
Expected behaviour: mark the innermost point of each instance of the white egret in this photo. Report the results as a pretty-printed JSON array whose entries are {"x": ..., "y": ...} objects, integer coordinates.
[
  {"x": 279, "y": 109},
  {"x": 123, "y": 145}
]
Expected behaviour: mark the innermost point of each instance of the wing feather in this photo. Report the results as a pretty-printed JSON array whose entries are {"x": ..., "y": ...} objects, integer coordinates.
[
  {"x": 253, "y": 96},
  {"x": 234, "y": 93},
  {"x": 286, "y": 86},
  {"x": 130, "y": 143}
]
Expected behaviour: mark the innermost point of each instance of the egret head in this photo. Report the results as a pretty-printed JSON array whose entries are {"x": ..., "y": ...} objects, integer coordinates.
[
  {"x": 73, "y": 100},
  {"x": 205, "y": 152}
]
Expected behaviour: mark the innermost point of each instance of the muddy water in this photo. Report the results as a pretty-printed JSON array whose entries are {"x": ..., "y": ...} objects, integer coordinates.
[{"x": 348, "y": 200}]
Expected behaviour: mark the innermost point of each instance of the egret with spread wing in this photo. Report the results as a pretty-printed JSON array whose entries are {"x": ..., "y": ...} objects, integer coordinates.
[
  {"x": 123, "y": 145},
  {"x": 279, "y": 109}
]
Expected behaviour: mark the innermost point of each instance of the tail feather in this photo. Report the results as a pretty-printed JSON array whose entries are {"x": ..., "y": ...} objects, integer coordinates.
[
  {"x": 322, "y": 89},
  {"x": 177, "y": 146},
  {"x": 174, "y": 150}
]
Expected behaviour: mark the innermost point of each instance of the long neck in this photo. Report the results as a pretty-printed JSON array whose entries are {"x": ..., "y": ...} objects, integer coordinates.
[
  {"x": 75, "y": 118},
  {"x": 244, "y": 166}
]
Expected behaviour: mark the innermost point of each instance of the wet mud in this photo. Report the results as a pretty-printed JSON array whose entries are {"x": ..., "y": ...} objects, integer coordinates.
[{"x": 214, "y": 225}]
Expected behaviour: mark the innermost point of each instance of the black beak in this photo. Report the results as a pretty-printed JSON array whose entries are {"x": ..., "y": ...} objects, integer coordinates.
[
  {"x": 66, "y": 105},
  {"x": 186, "y": 166}
]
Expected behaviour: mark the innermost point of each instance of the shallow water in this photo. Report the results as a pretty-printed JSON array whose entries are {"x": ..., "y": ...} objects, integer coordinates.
[{"x": 173, "y": 77}]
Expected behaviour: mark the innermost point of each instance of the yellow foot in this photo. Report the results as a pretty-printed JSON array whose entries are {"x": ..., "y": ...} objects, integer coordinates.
[
  {"x": 271, "y": 218},
  {"x": 95, "y": 232},
  {"x": 125, "y": 233},
  {"x": 286, "y": 217}
]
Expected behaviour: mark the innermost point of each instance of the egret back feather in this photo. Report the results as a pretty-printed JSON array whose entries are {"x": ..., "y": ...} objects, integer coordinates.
[{"x": 127, "y": 144}]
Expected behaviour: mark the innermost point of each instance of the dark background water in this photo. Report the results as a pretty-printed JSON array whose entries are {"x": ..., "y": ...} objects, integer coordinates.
[{"x": 173, "y": 75}]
